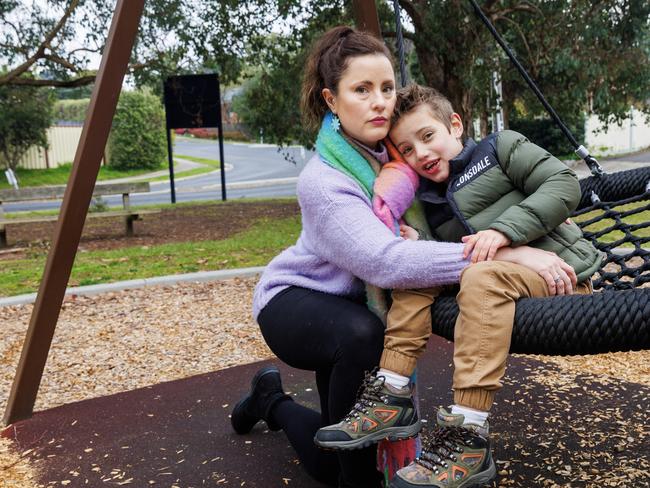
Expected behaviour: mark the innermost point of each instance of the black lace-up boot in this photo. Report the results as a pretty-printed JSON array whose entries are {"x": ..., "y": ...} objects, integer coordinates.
[{"x": 266, "y": 392}]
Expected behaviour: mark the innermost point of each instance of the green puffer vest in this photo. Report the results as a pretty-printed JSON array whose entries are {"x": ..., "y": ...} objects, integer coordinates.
[{"x": 509, "y": 184}]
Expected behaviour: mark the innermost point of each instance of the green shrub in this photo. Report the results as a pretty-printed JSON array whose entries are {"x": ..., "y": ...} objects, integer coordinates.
[
  {"x": 71, "y": 110},
  {"x": 25, "y": 115},
  {"x": 545, "y": 133},
  {"x": 138, "y": 136}
]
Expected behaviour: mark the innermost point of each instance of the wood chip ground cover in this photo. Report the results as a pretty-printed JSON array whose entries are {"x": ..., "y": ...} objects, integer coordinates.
[{"x": 126, "y": 340}]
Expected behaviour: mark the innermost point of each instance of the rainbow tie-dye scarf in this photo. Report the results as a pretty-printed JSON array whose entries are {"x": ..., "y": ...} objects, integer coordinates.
[{"x": 392, "y": 193}]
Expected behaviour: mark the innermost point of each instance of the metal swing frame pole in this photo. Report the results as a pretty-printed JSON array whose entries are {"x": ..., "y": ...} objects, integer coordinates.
[{"x": 76, "y": 201}]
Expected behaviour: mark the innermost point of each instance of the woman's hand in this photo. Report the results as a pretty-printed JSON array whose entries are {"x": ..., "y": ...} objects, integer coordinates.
[
  {"x": 484, "y": 244},
  {"x": 559, "y": 276},
  {"x": 407, "y": 232}
]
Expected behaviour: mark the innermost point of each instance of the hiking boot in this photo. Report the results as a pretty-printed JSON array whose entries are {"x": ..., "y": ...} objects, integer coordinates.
[
  {"x": 266, "y": 392},
  {"x": 380, "y": 412},
  {"x": 454, "y": 456}
]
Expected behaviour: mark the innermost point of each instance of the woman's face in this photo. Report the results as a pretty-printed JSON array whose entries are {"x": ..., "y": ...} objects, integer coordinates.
[{"x": 364, "y": 98}]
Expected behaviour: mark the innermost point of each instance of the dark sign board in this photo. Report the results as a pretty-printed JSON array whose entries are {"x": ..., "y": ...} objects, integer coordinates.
[{"x": 192, "y": 101}]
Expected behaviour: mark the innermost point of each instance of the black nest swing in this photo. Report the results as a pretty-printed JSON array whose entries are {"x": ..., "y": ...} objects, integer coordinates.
[{"x": 617, "y": 316}]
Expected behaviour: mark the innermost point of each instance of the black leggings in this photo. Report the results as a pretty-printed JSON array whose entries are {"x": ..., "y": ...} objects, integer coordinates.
[{"x": 339, "y": 339}]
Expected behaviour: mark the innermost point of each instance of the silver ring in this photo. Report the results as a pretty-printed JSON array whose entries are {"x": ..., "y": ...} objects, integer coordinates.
[{"x": 557, "y": 279}]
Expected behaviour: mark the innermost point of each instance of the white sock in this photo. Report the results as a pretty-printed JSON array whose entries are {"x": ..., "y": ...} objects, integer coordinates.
[
  {"x": 393, "y": 379},
  {"x": 477, "y": 417}
]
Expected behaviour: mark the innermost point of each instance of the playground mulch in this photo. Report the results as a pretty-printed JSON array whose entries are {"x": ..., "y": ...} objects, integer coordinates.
[
  {"x": 574, "y": 421},
  {"x": 120, "y": 341},
  {"x": 180, "y": 224}
]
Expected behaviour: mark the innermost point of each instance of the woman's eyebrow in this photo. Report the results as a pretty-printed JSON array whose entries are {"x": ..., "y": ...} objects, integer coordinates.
[{"x": 369, "y": 82}]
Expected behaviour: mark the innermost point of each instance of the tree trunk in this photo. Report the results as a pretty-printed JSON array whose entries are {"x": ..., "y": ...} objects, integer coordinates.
[
  {"x": 506, "y": 103},
  {"x": 506, "y": 116},
  {"x": 484, "y": 121}
]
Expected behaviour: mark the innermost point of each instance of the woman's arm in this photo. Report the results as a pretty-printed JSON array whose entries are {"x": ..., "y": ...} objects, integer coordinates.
[
  {"x": 339, "y": 223},
  {"x": 559, "y": 276}
]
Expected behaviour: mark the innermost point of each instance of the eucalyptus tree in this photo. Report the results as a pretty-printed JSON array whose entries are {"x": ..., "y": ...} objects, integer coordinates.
[
  {"x": 587, "y": 55},
  {"x": 58, "y": 42}
]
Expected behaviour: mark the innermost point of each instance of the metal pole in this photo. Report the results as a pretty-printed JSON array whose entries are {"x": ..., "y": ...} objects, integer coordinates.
[
  {"x": 76, "y": 201},
  {"x": 497, "y": 86},
  {"x": 222, "y": 164},
  {"x": 170, "y": 157}
]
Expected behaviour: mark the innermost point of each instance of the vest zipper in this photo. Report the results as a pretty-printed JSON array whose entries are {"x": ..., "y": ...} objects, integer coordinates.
[{"x": 454, "y": 207}]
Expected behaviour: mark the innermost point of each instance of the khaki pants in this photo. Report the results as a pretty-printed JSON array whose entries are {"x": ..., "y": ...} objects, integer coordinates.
[{"x": 488, "y": 292}]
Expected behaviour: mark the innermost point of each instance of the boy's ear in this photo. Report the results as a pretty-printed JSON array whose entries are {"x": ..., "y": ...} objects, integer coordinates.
[
  {"x": 456, "y": 125},
  {"x": 330, "y": 99}
]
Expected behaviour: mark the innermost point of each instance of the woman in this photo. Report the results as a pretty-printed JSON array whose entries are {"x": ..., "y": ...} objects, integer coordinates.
[{"x": 310, "y": 301}]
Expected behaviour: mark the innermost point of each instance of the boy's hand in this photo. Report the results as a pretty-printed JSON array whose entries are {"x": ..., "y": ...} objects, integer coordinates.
[
  {"x": 484, "y": 244},
  {"x": 408, "y": 232}
]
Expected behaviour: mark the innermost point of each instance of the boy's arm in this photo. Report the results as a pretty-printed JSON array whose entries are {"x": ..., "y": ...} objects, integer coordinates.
[
  {"x": 552, "y": 189},
  {"x": 408, "y": 232},
  {"x": 484, "y": 245}
]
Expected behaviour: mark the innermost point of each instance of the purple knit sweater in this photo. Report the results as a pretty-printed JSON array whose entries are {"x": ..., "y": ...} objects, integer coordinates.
[{"x": 343, "y": 244}]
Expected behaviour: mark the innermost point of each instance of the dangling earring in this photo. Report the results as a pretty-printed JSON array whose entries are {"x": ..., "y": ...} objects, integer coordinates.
[{"x": 336, "y": 123}]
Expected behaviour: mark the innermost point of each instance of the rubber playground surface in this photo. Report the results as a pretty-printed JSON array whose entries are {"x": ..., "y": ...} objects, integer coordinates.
[{"x": 549, "y": 430}]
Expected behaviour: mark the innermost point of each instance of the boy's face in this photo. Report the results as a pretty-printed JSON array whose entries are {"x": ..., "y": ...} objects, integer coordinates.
[{"x": 426, "y": 143}]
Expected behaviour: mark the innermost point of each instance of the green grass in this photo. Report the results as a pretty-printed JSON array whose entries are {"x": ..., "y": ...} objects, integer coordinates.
[
  {"x": 254, "y": 247},
  {"x": 61, "y": 174},
  {"x": 209, "y": 162},
  {"x": 637, "y": 218},
  {"x": 209, "y": 166}
]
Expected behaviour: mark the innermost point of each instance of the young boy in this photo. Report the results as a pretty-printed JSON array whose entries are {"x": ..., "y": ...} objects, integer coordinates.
[{"x": 502, "y": 191}]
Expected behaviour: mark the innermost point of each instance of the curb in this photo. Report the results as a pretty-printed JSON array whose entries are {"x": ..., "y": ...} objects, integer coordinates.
[
  {"x": 201, "y": 276},
  {"x": 165, "y": 172}
]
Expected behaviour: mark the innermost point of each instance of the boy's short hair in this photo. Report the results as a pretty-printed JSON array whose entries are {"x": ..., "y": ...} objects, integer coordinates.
[{"x": 412, "y": 96}]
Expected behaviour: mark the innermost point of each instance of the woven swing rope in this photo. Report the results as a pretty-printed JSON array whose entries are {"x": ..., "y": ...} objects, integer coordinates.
[
  {"x": 615, "y": 318},
  {"x": 625, "y": 267},
  {"x": 614, "y": 213}
]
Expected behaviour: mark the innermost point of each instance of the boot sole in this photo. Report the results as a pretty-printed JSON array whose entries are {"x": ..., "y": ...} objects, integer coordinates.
[
  {"x": 239, "y": 405},
  {"x": 391, "y": 434},
  {"x": 478, "y": 480}
]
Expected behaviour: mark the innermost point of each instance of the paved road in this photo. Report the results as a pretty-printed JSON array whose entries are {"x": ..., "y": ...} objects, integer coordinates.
[
  {"x": 249, "y": 161},
  {"x": 252, "y": 170},
  {"x": 248, "y": 165},
  {"x": 639, "y": 157}
]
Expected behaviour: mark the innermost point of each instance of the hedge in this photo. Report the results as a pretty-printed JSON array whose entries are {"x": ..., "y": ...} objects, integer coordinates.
[
  {"x": 71, "y": 110},
  {"x": 546, "y": 133},
  {"x": 138, "y": 136}
]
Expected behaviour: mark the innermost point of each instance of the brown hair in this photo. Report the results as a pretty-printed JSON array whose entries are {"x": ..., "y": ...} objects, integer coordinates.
[
  {"x": 326, "y": 63},
  {"x": 412, "y": 96}
]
